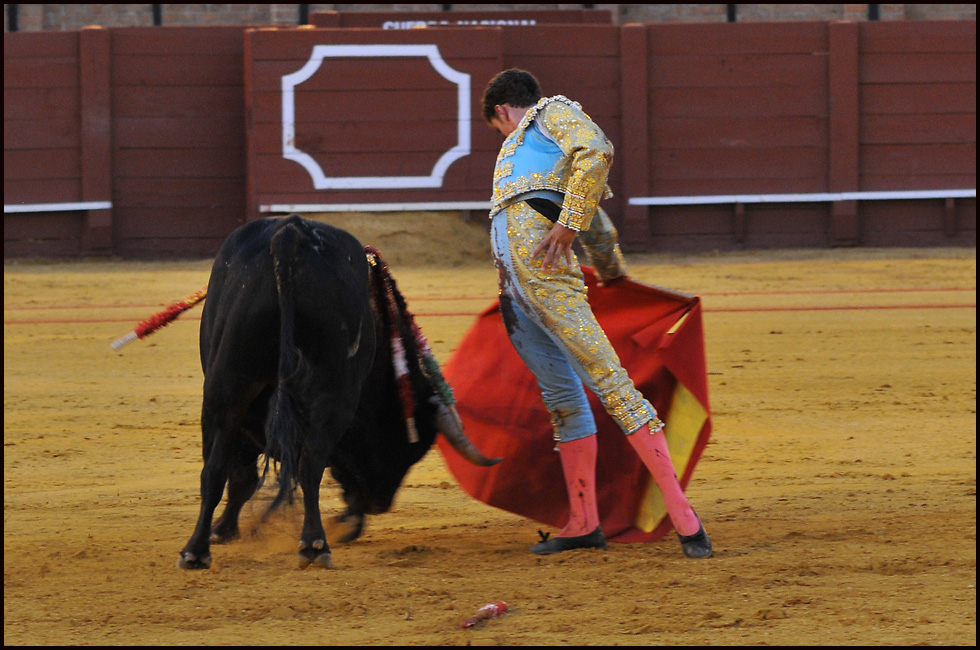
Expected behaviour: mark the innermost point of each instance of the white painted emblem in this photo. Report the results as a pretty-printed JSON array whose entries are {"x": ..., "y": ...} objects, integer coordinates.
[{"x": 323, "y": 182}]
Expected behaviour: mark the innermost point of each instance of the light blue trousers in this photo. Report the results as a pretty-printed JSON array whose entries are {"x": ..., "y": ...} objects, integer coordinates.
[{"x": 561, "y": 375}]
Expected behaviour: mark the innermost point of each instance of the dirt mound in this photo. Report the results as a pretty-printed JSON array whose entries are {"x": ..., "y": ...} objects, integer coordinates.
[{"x": 418, "y": 238}]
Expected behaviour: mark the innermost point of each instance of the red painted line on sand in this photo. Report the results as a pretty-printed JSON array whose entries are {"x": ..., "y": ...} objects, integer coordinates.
[
  {"x": 157, "y": 307},
  {"x": 55, "y": 321},
  {"x": 783, "y": 292},
  {"x": 836, "y": 308}
]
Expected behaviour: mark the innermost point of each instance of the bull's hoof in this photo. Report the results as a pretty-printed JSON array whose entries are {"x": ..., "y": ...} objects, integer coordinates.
[
  {"x": 225, "y": 530},
  {"x": 345, "y": 528},
  {"x": 190, "y": 561},
  {"x": 317, "y": 553}
]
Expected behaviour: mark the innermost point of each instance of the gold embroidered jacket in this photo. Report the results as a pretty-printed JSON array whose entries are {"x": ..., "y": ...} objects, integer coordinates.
[{"x": 555, "y": 148}]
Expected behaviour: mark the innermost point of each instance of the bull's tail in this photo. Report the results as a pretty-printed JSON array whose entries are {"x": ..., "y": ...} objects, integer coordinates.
[{"x": 284, "y": 439}]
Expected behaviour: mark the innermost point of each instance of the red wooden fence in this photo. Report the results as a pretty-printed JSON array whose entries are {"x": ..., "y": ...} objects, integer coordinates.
[
  {"x": 56, "y": 143},
  {"x": 370, "y": 121},
  {"x": 157, "y": 141},
  {"x": 178, "y": 139}
]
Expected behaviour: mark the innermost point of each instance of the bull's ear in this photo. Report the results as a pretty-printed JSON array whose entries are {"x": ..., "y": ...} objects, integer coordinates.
[{"x": 451, "y": 426}]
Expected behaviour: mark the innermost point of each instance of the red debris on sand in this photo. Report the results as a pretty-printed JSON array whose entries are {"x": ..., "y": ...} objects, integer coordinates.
[{"x": 490, "y": 610}]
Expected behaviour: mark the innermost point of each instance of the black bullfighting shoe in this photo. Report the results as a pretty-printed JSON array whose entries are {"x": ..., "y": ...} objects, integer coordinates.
[
  {"x": 548, "y": 546},
  {"x": 697, "y": 545}
]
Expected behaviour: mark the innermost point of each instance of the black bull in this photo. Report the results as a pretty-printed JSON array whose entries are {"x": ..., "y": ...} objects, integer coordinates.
[{"x": 297, "y": 351}]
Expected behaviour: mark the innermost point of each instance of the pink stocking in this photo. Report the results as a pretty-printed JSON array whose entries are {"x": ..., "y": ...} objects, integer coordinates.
[
  {"x": 652, "y": 449},
  {"x": 578, "y": 458}
]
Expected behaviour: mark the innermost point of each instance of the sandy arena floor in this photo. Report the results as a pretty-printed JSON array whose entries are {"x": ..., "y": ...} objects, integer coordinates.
[{"x": 839, "y": 486}]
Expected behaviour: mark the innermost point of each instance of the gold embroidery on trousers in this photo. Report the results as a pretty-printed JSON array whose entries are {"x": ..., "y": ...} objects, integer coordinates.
[{"x": 559, "y": 300}]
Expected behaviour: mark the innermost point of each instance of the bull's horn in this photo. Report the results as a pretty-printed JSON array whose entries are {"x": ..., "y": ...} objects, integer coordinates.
[{"x": 451, "y": 426}]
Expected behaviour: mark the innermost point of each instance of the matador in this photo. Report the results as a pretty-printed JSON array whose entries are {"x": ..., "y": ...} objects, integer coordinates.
[{"x": 550, "y": 176}]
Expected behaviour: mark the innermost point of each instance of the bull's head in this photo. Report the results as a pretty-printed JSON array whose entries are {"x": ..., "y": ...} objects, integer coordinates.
[
  {"x": 396, "y": 424},
  {"x": 372, "y": 460}
]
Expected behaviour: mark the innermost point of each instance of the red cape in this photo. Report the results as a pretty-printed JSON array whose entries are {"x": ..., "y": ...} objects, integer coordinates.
[{"x": 659, "y": 337}]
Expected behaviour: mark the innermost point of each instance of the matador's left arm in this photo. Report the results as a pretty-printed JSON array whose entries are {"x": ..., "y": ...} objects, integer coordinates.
[{"x": 589, "y": 158}]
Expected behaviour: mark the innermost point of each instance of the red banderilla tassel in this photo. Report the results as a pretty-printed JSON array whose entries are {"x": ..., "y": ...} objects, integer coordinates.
[{"x": 162, "y": 318}]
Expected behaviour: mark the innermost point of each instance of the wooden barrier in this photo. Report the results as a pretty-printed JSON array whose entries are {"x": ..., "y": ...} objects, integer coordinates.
[
  {"x": 749, "y": 109},
  {"x": 153, "y": 142},
  {"x": 373, "y": 117},
  {"x": 178, "y": 139}
]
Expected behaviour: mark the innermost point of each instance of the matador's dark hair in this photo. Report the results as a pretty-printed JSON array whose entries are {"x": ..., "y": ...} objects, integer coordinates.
[{"x": 519, "y": 88}]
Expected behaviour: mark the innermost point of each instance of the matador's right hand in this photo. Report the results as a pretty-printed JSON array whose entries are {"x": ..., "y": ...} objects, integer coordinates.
[{"x": 557, "y": 244}]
